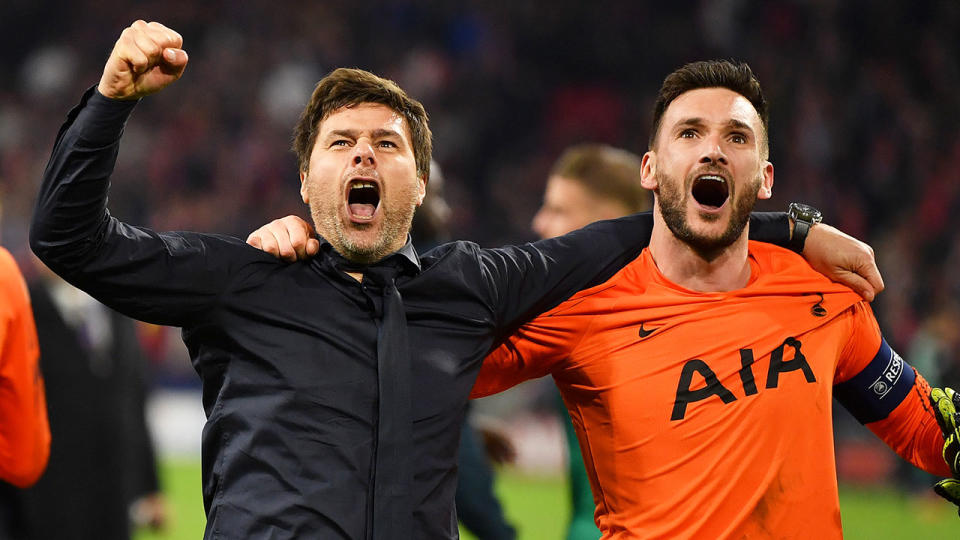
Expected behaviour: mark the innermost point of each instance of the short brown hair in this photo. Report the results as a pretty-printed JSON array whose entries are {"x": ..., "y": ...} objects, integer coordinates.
[
  {"x": 737, "y": 77},
  {"x": 345, "y": 87},
  {"x": 607, "y": 172}
]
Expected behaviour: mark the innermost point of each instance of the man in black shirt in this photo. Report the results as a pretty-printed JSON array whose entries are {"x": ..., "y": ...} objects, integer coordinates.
[{"x": 334, "y": 388}]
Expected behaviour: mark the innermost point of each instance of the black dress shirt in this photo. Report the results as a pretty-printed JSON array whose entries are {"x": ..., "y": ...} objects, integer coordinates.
[{"x": 287, "y": 353}]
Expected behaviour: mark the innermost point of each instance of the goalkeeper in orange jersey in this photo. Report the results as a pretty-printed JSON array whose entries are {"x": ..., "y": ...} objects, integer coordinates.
[{"x": 700, "y": 377}]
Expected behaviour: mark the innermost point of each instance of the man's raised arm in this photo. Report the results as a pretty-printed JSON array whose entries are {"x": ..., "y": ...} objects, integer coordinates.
[
  {"x": 71, "y": 213},
  {"x": 160, "y": 278}
]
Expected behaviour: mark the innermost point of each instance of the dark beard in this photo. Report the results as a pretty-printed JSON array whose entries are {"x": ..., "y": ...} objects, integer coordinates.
[{"x": 671, "y": 202}]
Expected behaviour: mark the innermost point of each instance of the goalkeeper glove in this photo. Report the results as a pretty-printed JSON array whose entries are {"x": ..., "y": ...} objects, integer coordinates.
[{"x": 945, "y": 404}]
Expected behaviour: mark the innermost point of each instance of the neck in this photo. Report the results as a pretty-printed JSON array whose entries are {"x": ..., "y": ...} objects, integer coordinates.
[{"x": 724, "y": 270}]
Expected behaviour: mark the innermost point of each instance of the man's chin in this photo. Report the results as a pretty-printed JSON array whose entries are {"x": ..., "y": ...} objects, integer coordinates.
[
  {"x": 707, "y": 230},
  {"x": 360, "y": 251},
  {"x": 711, "y": 241},
  {"x": 710, "y": 218},
  {"x": 705, "y": 235},
  {"x": 366, "y": 246}
]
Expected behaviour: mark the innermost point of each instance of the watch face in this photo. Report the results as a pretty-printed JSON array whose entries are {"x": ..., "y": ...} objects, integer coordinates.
[{"x": 804, "y": 212}]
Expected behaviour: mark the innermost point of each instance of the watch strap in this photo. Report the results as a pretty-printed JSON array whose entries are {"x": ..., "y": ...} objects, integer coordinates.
[{"x": 799, "y": 237}]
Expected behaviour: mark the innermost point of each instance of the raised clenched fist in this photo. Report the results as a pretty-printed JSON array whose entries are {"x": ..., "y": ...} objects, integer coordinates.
[{"x": 146, "y": 58}]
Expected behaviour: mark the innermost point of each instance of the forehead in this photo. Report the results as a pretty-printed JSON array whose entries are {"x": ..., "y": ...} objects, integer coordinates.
[
  {"x": 569, "y": 193},
  {"x": 718, "y": 105},
  {"x": 364, "y": 117},
  {"x": 561, "y": 189}
]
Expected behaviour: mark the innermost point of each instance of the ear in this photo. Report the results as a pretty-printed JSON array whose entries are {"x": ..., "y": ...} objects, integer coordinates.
[
  {"x": 303, "y": 187},
  {"x": 648, "y": 171},
  {"x": 766, "y": 181},
  {"x": 421, "y": 189}
]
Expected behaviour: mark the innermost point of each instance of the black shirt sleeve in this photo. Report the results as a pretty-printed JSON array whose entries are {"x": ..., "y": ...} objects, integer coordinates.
[
  {"x": 530, "y": 279},
  {"x": 770, "y": 227},
  {"x": 164, "y": 278}
]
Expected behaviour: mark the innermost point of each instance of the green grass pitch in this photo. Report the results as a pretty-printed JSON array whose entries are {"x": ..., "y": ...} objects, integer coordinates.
[{"x": 536, "y": 506}]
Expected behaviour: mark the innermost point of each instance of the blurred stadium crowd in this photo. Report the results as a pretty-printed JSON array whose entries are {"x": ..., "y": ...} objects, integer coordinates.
[{"x": 864, "y": 97}]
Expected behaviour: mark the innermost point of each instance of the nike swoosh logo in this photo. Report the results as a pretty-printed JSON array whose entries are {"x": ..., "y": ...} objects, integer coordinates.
[{"x": 646, "y": 333}]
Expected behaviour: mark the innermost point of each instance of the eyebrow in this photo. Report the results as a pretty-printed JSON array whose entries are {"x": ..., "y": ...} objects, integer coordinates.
[
  {"x": 700, "y": 122},
  {"x": 379, "y": 133}
]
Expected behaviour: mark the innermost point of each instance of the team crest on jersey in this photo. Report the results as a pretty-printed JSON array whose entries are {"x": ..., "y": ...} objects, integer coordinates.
[{"x": 818, "y": 310}]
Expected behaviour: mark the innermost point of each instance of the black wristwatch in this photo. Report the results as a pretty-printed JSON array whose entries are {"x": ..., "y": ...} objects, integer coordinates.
[{"x": 804, "y": 216}]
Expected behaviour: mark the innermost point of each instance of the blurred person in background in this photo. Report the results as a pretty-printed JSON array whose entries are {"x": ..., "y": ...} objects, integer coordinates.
[
  {"x": 101, "y": 481},
  {"x": 24, "y": 428},
  {"x": 588, "y": 182}
]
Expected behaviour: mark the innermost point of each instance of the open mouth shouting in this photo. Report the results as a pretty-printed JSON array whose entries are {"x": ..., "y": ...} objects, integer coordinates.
[
  {"x": 710, "y": 191},
  {"x": 363, "y": 199}
]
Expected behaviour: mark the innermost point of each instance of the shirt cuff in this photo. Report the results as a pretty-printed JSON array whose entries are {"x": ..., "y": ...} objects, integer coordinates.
[
  {"x": 100, "y": 119},
  {"x": 770, "y": 227}
]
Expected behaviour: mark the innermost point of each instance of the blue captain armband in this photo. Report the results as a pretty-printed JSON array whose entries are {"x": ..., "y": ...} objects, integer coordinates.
[{"x": 876, "y": 391}]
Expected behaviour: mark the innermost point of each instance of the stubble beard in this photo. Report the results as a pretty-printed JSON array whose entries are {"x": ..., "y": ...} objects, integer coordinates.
[
  {"x": 672, "y": 203},
  {"x": 344, "y": 237}
]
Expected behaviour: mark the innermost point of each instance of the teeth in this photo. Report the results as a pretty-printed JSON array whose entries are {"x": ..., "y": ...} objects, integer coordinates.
[
  {"x": 712, "y": 177},
  {"x": 361, "y": 184}
]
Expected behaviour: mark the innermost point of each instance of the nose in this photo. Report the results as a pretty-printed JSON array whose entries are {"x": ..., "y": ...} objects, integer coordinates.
[
  {"x": 713, "y": 153},
  {"x": 539, "y": 223},
  {"x": 363, "y": 154}
]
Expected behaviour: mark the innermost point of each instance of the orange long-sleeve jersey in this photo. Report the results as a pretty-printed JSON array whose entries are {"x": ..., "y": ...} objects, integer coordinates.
[
  {"x": 708, "y": 415},
  {"x": 24, "y": 431}
]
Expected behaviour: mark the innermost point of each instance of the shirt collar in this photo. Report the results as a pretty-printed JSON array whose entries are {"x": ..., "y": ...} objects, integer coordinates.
[{"x": 406, "y": 258}]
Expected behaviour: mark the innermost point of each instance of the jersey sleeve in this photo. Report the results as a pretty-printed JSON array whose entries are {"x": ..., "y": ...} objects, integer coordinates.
[
  {"x": 533, "y": 351},
  {"x": 912, "y": 430},
  {"x": 862, "y": 345},
  {"x": 888, "y": 395},
  {"x": 24, "y": 429}
]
